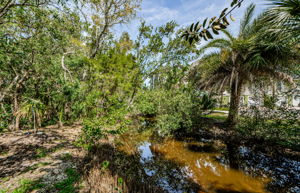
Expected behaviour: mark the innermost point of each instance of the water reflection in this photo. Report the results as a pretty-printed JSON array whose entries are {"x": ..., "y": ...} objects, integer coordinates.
[
  {"x": 166, "y": 173},
  {"x": 195, "y": 167},
  {"x": 205, "y": 170}
]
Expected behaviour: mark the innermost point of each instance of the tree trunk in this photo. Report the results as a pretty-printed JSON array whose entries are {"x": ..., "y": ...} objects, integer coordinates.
[
  {"x": 233, "y": 154},
  {"x": 60, "y": 121},
  {"x": 98, "y": 40},
  {"x": 222, "y": 99},
  {"x": 235, "y": 97},
  {"x": 60, "y": 124},
  {"x": 38, "y": 120},
  {"x": 34, "y": 120},
  {"x": 17, "y": 122},
  {"x": 17, "y": 115}
]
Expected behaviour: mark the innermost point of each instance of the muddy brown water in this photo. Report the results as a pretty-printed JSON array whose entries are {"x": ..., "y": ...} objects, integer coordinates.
[{"x": 203, "y": 166}]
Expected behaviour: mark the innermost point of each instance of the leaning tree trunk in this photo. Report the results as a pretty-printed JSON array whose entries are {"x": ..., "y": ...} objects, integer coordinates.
[{"x": 235, "y": 97}]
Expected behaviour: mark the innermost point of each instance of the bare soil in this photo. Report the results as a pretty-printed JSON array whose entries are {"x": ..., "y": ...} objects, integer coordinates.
[
  {"x": 45, "y": 156},
  {"x": 42, "y": 157}
]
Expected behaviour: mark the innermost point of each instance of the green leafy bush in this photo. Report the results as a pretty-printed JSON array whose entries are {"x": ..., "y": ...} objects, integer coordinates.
[
  {"x": 113, "y": 120},
  {"x": 5, "y": 117},
  {"x": 205, "y": 102},
  {"x": 92, "y": 131},
  {"x": 146, "y": 104},
  {"x": 4, "y": 121},
  {"x": 270, "y": 102},
  {"x": 172, "y": 109},
  {"x": 280, "y": 125}
]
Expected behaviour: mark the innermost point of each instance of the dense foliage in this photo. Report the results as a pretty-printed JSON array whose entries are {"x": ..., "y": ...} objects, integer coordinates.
[
  {"x": 61, "y": 63},
  {"x": 172, "y": 110},
  {"x": 280, "y": 126}
]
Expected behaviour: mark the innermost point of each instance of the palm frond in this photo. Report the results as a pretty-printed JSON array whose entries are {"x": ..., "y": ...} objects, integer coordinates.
[
  {"x": 246, "y": 21},
  {"x": 291, "y": 7},
  {"x": 25, "y": 110},
  {"x": 216, "y": 43},
  {"x": 256, "y": 27},
  {"x": 282, "y": 76},
  {"x": 283, "y": 19},
  {"x": 242, "y": 59},
  {"x": 213, "y": 82},
  {"x": 229, "y": 35}
]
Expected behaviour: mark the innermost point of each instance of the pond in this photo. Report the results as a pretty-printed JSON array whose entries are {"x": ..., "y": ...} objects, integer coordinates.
[{"x": 180, "y": 166}]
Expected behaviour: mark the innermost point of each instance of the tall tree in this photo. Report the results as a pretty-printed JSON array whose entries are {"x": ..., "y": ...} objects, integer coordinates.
[
  {"x": 238, "y": 60},
  {"x": 104, "y": 15},
  {"x": 6, "y": 6},
  {"x": 30, "y": 46},
  {"x": 161, "y": 51}
]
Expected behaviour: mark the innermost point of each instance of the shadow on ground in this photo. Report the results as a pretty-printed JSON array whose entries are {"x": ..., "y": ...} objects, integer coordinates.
[
  {"x": 137, "y": 177},
  {"x": 31, "y": 161},
  {"x": 26, "y": 149}
]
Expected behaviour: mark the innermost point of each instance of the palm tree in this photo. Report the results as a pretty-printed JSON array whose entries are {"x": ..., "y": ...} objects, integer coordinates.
[
  {"x": 32, "y": 108},
  {"x": 242, "y": 59}
]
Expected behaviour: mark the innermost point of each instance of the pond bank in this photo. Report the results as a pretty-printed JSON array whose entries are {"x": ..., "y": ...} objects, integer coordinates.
[
  {"x": 143, "y": 163},
  {"x": 203, "y": 165},
  {"x": 216, "y": 129}
]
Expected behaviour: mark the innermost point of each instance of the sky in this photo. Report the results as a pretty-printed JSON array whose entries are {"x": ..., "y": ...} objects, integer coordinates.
[{"x": 185, "y": 12}]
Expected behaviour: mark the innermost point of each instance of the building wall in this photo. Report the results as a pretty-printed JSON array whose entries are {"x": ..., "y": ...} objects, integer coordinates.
[{"x": 286, "y": 97}]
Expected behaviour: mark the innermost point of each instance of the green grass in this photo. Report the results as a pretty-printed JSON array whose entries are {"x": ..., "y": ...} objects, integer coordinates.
[
  {"x": 68, "y": 185},
  {"x": 4, "y": 180},
  {"x": 41, "y": 152},
  {"x": 3, "y": 191},
  {"x": 222, "y": 109},
  {"x": 28, "y": 186},
  {"x": 218, "y": 116}
]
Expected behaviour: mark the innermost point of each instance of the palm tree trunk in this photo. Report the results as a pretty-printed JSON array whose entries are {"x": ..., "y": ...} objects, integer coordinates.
[
  {"x": 235, "y": 97},
  {"x": 233, "y": 154},
  {"x": 222, "y": 98}
]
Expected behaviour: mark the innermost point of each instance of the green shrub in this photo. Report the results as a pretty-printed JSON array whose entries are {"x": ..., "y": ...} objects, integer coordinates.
[
  {"x": 280, "y": 126},
  {"x": 92, "y": 131},
  {"x": 5, "y": 118},
  {"x": 205, "y": 102},
  {"x": 270, "y": 102},
  {"x": 172, "y": 109},
  {"x": 146, "y": 103},
  {"x": 112, "y": 120}
]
